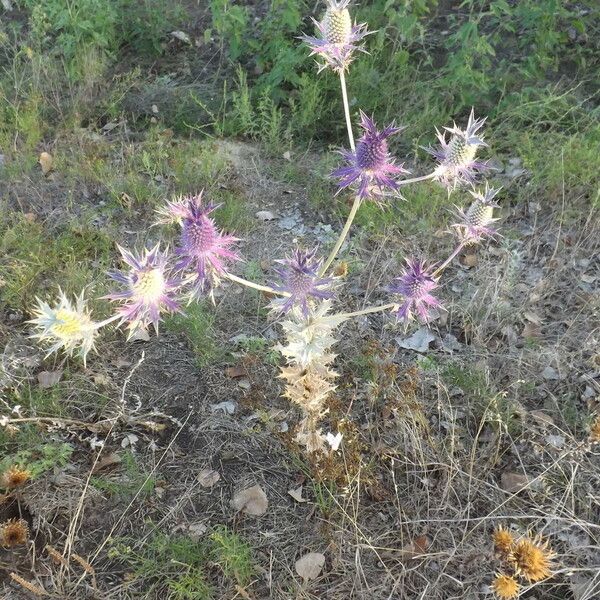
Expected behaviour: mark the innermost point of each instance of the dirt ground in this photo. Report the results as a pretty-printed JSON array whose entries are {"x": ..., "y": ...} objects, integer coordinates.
[{"x": 483, "y": 425}]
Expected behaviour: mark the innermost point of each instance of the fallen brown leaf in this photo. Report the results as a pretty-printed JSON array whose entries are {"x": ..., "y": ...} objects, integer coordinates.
[
  {"x": 252, "y": 501},
  {"x": 310, "y": 565}
]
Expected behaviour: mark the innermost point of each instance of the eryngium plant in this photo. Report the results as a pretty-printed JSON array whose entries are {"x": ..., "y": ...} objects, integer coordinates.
[{"x": 156, "y": 281}]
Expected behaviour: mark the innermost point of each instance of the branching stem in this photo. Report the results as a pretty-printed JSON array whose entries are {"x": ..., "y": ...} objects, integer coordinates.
[
  {"x": 254, "y": 286},
  {"x": 368, "y": 311},
  {"x": 452, "y": 256},
  {"x": 347, "y": 110}
]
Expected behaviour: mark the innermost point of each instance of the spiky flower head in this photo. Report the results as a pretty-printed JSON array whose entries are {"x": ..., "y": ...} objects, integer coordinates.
[
  {"x": 371, "y": 165},
  {"x": 204, "y": 249},
  {"x": 503, "y": 541},
  {"x": 14, "y": 477},
  {"x": 456, "y": 154},
  {"x": 300, "y": 279},
  {"x": 338, "y": 38},
  {"x": 474, "y": 224},
  {"x": 415, "y": 285},
  {"x": 14, "y": 532},
  {"x": 148, "y": 289},
  {"x": 506, "y": 587},
  {"x": 65, "y": 325},
  {"x": 532, "y": 559}
]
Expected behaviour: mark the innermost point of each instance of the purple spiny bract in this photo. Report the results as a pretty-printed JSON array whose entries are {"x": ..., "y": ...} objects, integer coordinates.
[
  {"x": 203, "y": 247},
  {"x": 148, "y": 290},
  {"x": 415, "y": 285},
  {"x": 371, "y": 165},
  {"x": 300, "y": 279},
  {"x": 456, "y": 155},
  {"x": 474, "y": 224},
  {"x": 338, "y": 37}
]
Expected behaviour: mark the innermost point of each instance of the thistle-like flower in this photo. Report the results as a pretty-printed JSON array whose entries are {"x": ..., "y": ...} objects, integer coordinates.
[
  {"x": 415, "y": 285},
  {"x": 503, "y": 541},
  {"x": 371, "y": 165},
  {"x": 148, "y": 289},
  {"x": 203, "y": 248},
  {"x": 475, "y": 223},
  {"x": 14, "y": 532},
  {"x": 456, "y": 156},
  {"x": 66, "y": 325},
  {"x": 506, "y": 587},
  {"x": 338, "y": 37},
  {"x": 14, "y": 477},
  {"x": 300, "y": 278},
  {"x": 532, "y": 559}
]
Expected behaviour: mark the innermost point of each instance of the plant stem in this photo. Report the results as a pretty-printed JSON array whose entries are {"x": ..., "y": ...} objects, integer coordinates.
[
  {"x": 367, "y": 311},
  {"x": 347, "y": 110},
  {"x": 342, "y": 237},
  {"x": 107, "y": 321},
  {"x": 254, "y": 286},
  {"x": 439, "y": 270},
  {"x": 416, "y": 179}
]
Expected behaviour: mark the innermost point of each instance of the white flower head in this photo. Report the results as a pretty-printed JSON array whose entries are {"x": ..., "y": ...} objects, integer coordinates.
[{"x": 67, "y": 326}]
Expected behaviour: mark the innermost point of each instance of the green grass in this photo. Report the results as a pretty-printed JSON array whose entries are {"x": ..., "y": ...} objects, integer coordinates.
[
  {"x": 130, "y": 479},
  {"x": 33, "y": 454},
  {"x": 198, "y": 326},
  {"x": 182, "y": 566}
]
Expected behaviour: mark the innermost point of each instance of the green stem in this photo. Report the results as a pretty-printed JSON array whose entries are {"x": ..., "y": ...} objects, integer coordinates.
[
  {"x": 347, "y": 110},
  {"x": 254, "y": 286},
  {"x": 439, "y": 270},
  {"x": 342, "y": 237}
]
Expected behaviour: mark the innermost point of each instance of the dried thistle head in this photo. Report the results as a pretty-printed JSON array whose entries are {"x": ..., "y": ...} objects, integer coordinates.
[
  {"x": 14, "y": 532},
  {"x": 14, "y": 477},
  {"x": 506, "y": 587},
  {"x": 65, "y": 325},
  {"x": 532, "y": 559},
  {"x": 503, "y": 541}
]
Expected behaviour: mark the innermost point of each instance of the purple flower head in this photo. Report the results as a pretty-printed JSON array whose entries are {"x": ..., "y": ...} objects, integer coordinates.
[
  {"x": 338, "y": 37},
  {"x": 300, "y": 278},
  {"x": 456, "y": 155},
  {"x": 475, "y": 223},
  {"x": 203, "y": 247},
  {"x": 371, "y": 165},
  {"x": 148, "y": 290},
  {"x": 415, "y": 285}
]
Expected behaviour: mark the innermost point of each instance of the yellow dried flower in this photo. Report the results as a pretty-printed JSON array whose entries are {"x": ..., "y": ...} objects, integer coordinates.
[
  {"x": 506, "y": 587},
  {"x": 14, "y": 532},
  {"x": 503, "y": 541},
  {"x": 14, "y": 477},
  {"x": 595, "y": 430},
  {"x": 532, "y": 559}
]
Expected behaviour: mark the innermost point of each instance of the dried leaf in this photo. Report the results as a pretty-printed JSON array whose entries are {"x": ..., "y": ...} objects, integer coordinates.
[
  {"x": 228, "y": 407},
  {"x": 265, "y": 215},
  {"x": 252, "y": 501},
  {"x": 47, "y": 379},
  {"x": 296, "y": 494},
  {"x": 208, "y": 477},
  {"x": 419, "y": 341},
  {"x": 417, "y": 547},
  {"x": 181, "y": 36},
  {"x": 310, "y": 565},
  {"x": 107, "y": 462},
  {"x": 531, "y": 331},
  {"x": 532, "y": 317},
  {"x": 235, "y": 372},
  {"x": 46, "y": 162},
  {"x": 513, "y": 482},
  {"x": 470, "y": 260}
]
